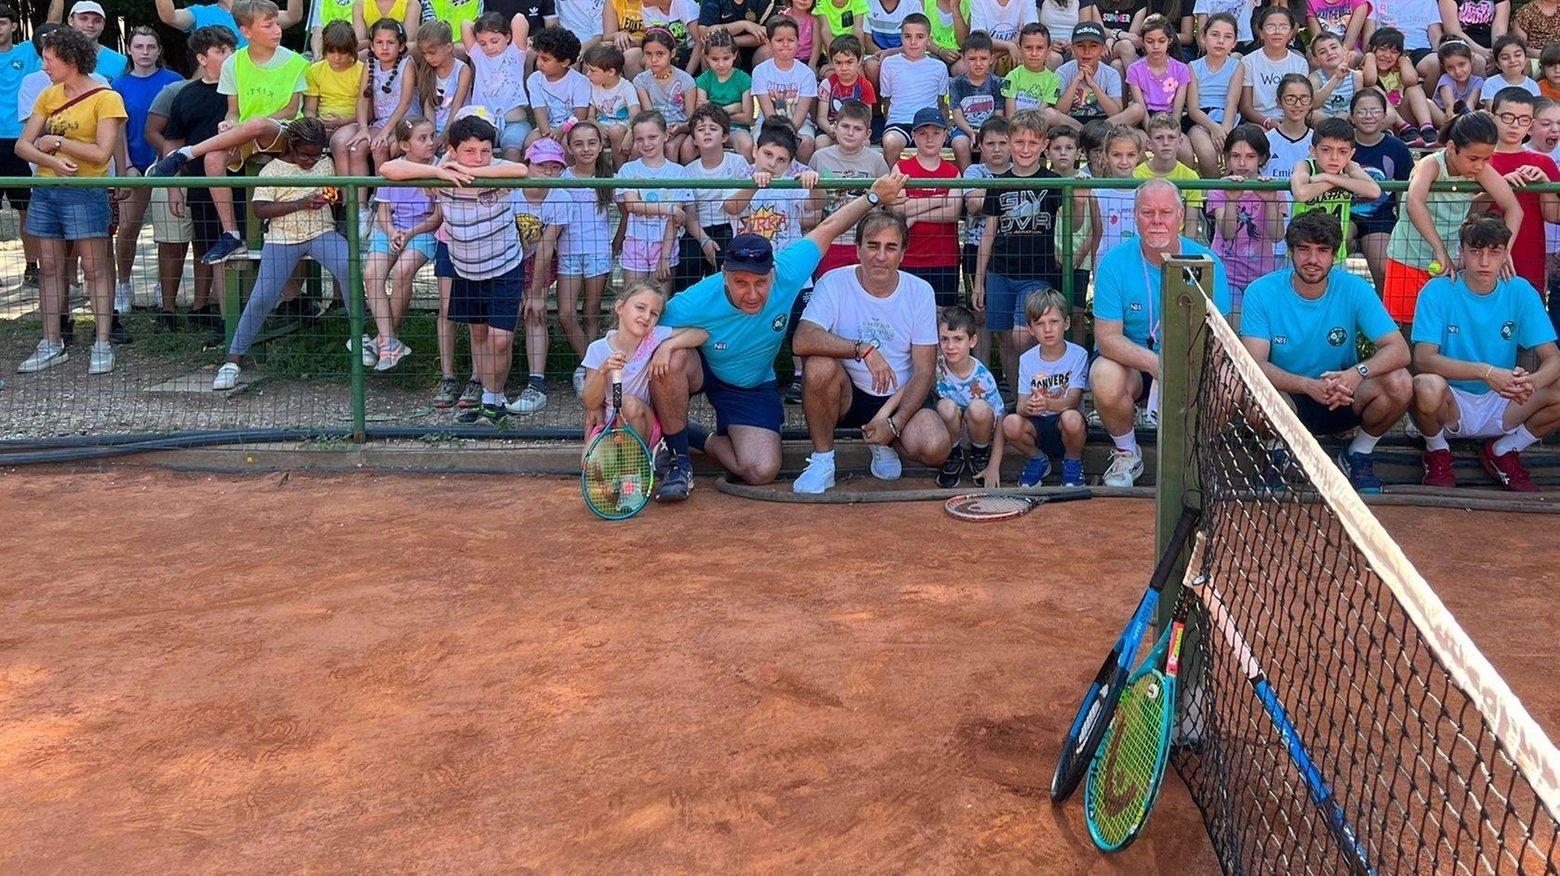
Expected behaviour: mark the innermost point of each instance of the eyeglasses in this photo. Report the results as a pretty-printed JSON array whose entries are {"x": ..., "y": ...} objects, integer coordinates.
[
  {"x": 1277, "y": 27},
  {"x": 1296, "y": 99},
  {"x": 1370, "y": 113},
  {"x": 1514, "y": 119}
]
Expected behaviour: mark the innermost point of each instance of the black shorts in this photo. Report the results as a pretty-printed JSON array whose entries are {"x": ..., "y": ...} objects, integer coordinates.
[
  {"x": 1417, "y": 55},
  {"x": 902, "y": 130},
  {"x": 11, "y": 165},
  {"x": 864, "y": 406},
  {"x": 1364, "y": 227},
  {"x": 756, "y": 406},
  {"x": 494, "y": 302},
  {"x": 944, "y": 283},
  {"x": 692, "y": 266},
  {"x": 1318, "y": 419},
  {"x": 1048, "y": 434}
]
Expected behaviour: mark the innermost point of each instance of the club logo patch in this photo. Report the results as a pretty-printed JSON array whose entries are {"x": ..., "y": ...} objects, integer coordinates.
[
  {"x": 1507, "y": 329},
  {"x": 779, "y": 323},
  {"x": 1337, "y": 336}
]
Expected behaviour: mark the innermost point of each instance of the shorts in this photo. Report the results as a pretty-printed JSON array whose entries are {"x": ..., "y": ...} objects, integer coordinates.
[
  {"x": 757, "y": 406},
  {"x": 166, "y": 227},
  {"x": 944, "y": 282},
  {"x": 643, "y": 256},
  {"x": 651, "y": 440},
  {"x": 11, "y": 165},
  {"x": 1144, "y": 378},
  {"x": 1005, "y": 300},
  {"x": 423, "y": 243},
  {"x": 1048, "y": 434},
  {"x": 511, "y": 135},
  {"x": 275, "y": 146},
  {"x": 1366, "y": 227},
  {"x": 692, "y": 266},
  {"x": 68, "y": 214},
  {"x": 886, "y": 40},
  {"x": 1080, "y": 289},
  {"x": 494, "y": 302},
  {"x": 1479, "y": 416},
  {"x": 864, "y": 406},
  {"x": 443, "y": 268},
  {"x": 838, "y": 255},
  {"x": 1401, "y": 288},
  {"x": 585, "y": 264},
  {"x": 902, "y": 129},
  {"x": 1417, "y": 55},
  {"x": 1318, "y": 419},
  {"x": 529, "y": 264}
]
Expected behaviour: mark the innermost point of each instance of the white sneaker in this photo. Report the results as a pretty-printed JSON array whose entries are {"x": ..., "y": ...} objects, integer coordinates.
[
  {"x": 370, "y": 351},
  {"x": 530, "y": 401},
  {"x": 227, "y": 377},
  {"x": 102, "y": 360},
  {"x": 124, "y": 297},
  {"x": 817, "y": 477},
  {"x": 885, "y": 463},
  {"x": 579, "y": 381},
  {"x": 46, "y": 356},
  {"x": 1125, "y": 468},
  {"x": 1144, "y": 418}
]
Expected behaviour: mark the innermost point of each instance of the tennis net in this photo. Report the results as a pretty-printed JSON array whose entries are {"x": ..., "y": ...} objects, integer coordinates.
[{"x": 1434, "y": 765}]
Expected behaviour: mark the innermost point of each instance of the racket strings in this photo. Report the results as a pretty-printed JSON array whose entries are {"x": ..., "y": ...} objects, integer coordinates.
[
  {"x": 1123, "y": 788},
  {"x": 988, "y": 506}
]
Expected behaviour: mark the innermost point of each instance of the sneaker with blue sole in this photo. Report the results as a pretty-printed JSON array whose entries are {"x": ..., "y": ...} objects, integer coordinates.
[
  {"x": 1035, "y": 471},
  {"x": 227, "y": 246}
]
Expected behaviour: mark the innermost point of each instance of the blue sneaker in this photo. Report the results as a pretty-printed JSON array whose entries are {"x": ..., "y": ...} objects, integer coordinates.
[
  {"x": 227, "y": 246},
  {"x": 169, "y": 166},
  {"x": 678, "y": 483},
  {"x": 1035, "y": 470},
  {"x": 1361, "y": 469},
  {"x": 1272, "y": 477},
  {"x": 1072, "y": 472}
]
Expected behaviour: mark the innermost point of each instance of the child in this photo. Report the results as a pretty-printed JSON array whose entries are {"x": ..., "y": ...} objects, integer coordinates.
[
  {"x": 264, "y": 83},
  {"x": 1120, "y": 153},
  {"x": 728, "y": 88},
  {"x": 932, "y": 250},
  {"x": 844, "y": 83},
  {"x": 613, "y": 99},
  {"x": 334, "y": 87},
  {"x": 809, "y": 48},
  {"x": 1334, "y": 80},
  {"x": 710, "y": 230},
  {"x": 1157, "y": 81},
  {"x": 1247, "y": 224},
  {"x": 496, "y": 50},
  {"x": 995, "y": 160},
  {"x": 967, "y": 400},
  {"x": 1329, "y": 179},
  {"x": 949, "y": 18},
  {"x": 629, "y": 350},
  {"x": 300, "y": 224},
  {"x": 1343, "y": 19},
  {"x": 849, "y": 158},
  {"x": 655, "y": 216},
  {"x": 401, "y": 244},
  {"x": 1458, "y": 91},
  {"x": 1418, "y": 245},
  {"x": 137, "y": 88},
  {"x": 1290, "y": 141},
  {"x": 1213, "y": 99},
  {"x": 974, "y": 97},
  {"x": 559, "y": 94},
  {"x": 540, "y": 215},
  {"x": 443, "y": 80},
  {"x": 1003, "y": 19},
  {"x": 1549, "y": 64},
  {"x": 1032, "y": 85},
  {"x": 1521, "y": 167},
  {"x": 387, "y": 94},
  {"x": 1264, "y": 69},
  {"x": 1091, "y": 90},
  {"x": 1167, "y": 144},
  {"x": 585, "y": 244},
  {"x": 668, "y": 89},
  {"x": 1048, "y": 418},
  {"x": 1384, "y": 158},
  {"x": 1511, "y": 60},
  {"x": 1388, "y": 68},
  {"x": 911, "y": 79},
  {"x": 838, "y": 19},
  {"x": 785, "y": 88},
  {"x": 1062, "y": 154},
  {"x": 883, "y": 33}
]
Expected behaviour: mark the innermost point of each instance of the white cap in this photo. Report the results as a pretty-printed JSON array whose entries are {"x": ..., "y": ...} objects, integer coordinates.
[{"x": 88, "y": 6}]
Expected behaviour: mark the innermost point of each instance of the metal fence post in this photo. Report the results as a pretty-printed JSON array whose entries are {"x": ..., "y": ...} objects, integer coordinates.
[{"x": 355, "y": 304}]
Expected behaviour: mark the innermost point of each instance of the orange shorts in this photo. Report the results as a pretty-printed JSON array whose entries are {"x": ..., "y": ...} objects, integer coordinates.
[{"x": 1401, "y": 289}]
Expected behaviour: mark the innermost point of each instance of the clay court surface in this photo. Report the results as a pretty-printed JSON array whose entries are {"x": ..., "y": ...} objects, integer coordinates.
[{"x": 460, "y": 675}]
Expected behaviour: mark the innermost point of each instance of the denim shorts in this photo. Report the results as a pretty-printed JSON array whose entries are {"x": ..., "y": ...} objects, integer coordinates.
[
  {"x": 511, "y": 135},
  {"x": 585, "y": 264},
  {"x": 68, "y": 214},
  {"x": 1005, "y": 300},
  {"x": 423, "y": 243}
]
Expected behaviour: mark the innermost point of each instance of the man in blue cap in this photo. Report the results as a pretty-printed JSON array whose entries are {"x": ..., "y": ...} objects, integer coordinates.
[{"x": 745, "y": 308}]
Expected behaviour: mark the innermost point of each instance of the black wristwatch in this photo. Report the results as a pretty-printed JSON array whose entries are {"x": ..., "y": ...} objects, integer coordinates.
[{"x": 873, "y": 199}]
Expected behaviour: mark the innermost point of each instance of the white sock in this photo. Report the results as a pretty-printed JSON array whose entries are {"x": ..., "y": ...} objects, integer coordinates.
[
  {"x": 1363, "y": 442},
  {"x": 824, "y": 456},
  {"x": 1519, "y": 439},
  {"x": 187, "y": 152},
  {"x": 234, "y": 235},
  {"x": 493, "y": 398},
  {"x": 1127, "y": 443},
  {"x": 1437, "y": 441}
]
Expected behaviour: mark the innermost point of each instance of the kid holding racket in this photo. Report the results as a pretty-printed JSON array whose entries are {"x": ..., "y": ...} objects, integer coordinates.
[
  {"x": 1052, "y": 375},
  {"x": 640, "y": 348}
]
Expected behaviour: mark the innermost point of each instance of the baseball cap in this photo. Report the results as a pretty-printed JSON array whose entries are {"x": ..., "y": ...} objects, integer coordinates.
[
  {"x": 751, "y": 253},
  {"x": 1086, "y": 31},
  {"x": 545, "y": 149},
  {"x": 88, "y": 6},
  {"x": 474, "y": 109},
  {"x": 928, "y": 115}
]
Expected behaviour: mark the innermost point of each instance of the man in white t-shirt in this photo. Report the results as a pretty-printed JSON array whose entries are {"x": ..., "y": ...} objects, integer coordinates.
[
  {"x": 1414, "y": 18},
  {"x": 870, "y": 338}
]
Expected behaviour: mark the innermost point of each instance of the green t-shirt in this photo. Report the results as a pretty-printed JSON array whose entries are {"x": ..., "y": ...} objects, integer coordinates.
[
  {"x": 841, "y": 20},
  {"x": 943, "y": 35},
  {"x": 1335, "y": 201},
  {"x": 263, "y": 90},
  {"x": 728, "y": 92},
  {"x": 1031, "y": 90}
]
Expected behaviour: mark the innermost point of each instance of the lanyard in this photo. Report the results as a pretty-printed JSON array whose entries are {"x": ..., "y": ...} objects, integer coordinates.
[{"x": 1153, "y": 292}]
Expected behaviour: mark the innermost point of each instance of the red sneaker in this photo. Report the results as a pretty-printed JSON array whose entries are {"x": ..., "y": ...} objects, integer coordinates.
[
  {"x": 1506, "y": 468},
  {"x": 1438, "y": 469}
]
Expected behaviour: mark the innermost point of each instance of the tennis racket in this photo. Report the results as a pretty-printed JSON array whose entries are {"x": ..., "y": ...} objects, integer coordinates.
[
  {"x": 617, "y": 474},
  {"x": 985, "y": 507},
  {"x": 1099, "y": 702},
  {"x": 1321, "y": 795},
  {"x": 1128, "y": 769}
]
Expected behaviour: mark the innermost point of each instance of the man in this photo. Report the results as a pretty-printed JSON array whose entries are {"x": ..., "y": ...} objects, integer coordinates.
[
  {"x": 745, "y": 308},
  {"x": 1127, "y": 309},
  {"x": 1300, "y": 325},
  {"x": 87, "y": 17},
  {"x": 1467, "y": 331},
  {"x": 870, "y": 338}
]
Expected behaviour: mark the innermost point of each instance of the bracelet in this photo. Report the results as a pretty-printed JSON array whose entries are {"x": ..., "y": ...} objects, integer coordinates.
[
  {"x": 1488, "y": 369},
  {"x": 706, "y": 240},
  {"x": 894, "y": 427}
]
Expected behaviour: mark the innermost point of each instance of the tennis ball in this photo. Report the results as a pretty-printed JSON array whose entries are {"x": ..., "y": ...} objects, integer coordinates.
[{"x": 1437, "y": 268}]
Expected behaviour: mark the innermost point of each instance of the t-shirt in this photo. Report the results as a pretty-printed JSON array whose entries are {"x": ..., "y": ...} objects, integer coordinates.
[
  {"x": 408, "y": 206},
  {"x": 1412, "y": 17},
  {"x": 138, "y": 93},
  {"x": 1053, "y": 377},
  {"x": 162, "y": 104},
  {"x": 725, "y": 93},
  {"x": 1159, "y": 88},
  {"x": 1194, "y": 198},
  {"x": 498, "y": 83},
  {"x": 710, "y": 204},
  {"x": 650, "y": 228},
  {"x": 581, "y": 17},
  {"x": 1127, "y": 290},
  {"x": 741, "y": 349},
  {"x": 195, "y": 114},
  {"x": 480, "y": 224},
  {"x": 615, "y": 105},
  {"x": 636, "y": 374},
  {"x": 15, "y": 64},
  {"x": 338, "y": 91},
  {"x": 1249, "y": 253},
  {"x": 78, "y": 123},
  {"x": 1310, "y": 338},
  {"x": 1085, "y": 105},
  {"x": 587, "y": 225},
  {"x": 213, "y": 15},
  {"x": 110, "y": 64},
  {"x": 1118, "y": 222},
  {"x": 882, "y": 21},
  {"x": 1213, "y": 87},
  {"x": 1494, "y": 85},
  {"x": 932, "y": 244},
  {"x": 784, "y": 87},
  {"x": 563, "y": 98},
  {"x": 832, "y": 94},
  {"x": 832, "y": 163},
  {"x": 912, "y": 85},
  {"x": 979, "y": 385},
  {"x": 1032, "y": 89},
  {"x": 1541, "y": 29},
  {"x": 977, "y": 102},
  {"x": 1241, "y": 9},
  {"x": 534, "y": 217},
  {"x": 1284, "y": 154},
  {"x": 905, "y": 318},
  {"x": 1527, "y": 249},
  {"x": 1336, "y": 200},
  {"x": 630, "y": 17},
  {"x": 676, "y": 20},
  {"x": 536, "y": 12},
  {"x": 1386, "y": 160},
  {"x": 1469, "y": 94},
  {"x": 728, "y": 11},
  {"x": 1025, "y": 244},
  {"x": 1263, "y": 75},
  {"x": 302, "y": 225},
  {"x": 1477, "y": 18},
  {"x": 266, "y": 88},
  {"x": 1334, "y": 15},
  {"x": 670, "y": 97},
  {"x": 1488, "y": 329},
  {"x": 1002, "y": 20},
  {"x": 841, "y": 20},
  {"x": 775, "y": 214},
  {"x": 975, "y": 226}
]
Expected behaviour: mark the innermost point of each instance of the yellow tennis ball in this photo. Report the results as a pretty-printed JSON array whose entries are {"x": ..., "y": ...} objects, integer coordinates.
[{"x": 1437, "y": 268}]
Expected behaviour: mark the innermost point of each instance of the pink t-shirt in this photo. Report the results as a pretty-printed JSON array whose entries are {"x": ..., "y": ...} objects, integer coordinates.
[
  {"x": 1248, "y": 255},
  {"x": 1159, "y": 90}
]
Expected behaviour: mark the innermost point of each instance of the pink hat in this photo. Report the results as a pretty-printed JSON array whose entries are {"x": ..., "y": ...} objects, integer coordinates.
[{"x": 545, "y": 149}]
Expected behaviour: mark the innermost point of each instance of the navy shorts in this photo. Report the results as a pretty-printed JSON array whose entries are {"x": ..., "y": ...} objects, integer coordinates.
[
  {"x": 756, "y": 406},
  {"x": 1048, "y": 434},
  {"x": 1148, "y": 379},
  {"x": 494, "y": 302},
  {"x": 443, "y": 268},
  {"x": 864, "y": 406},
  {"x": 1319, "y": 420}
]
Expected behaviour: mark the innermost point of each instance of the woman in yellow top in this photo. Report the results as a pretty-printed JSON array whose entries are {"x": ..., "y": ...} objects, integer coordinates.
[{"x": 73, "y": 131}]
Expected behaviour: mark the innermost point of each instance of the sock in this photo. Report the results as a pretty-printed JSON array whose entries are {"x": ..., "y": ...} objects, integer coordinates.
[
  {"x": 1437, "y": 441},
  {"x": 677, "y": 443},
  {"x": 539, "y": 382},
  {"x": 187, "y": 152},
  {"x": 1363, "y": 442},
  {"x": 979, "y": 448},
  {"x": 493, "y": 398},
  {"x": 234, "y": 235},
  {"x": 1517, "y": 440},
  {"x": 1126, "y": 443},
  {"x": 697, "y": 436},
  {"x": 824, "y": 456}
]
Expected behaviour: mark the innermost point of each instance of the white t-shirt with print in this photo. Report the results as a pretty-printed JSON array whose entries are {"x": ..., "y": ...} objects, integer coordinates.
[
  {"x": 1002, "y": 22},
  {"x": 784, "y": 87},
  {"x": 1056, "y": 377},
  {"x": 1263, "y": 75},
  {"x": 1412, "y": 17},
  {"x": 906, "y": 318},
  {"x": 561, "y": 98},
  {"x": 498, "y": 83},
  {"x": 710, "y": 204},
  {"x": 650, "y": 228},
  {"x": 636, "y": 379}
]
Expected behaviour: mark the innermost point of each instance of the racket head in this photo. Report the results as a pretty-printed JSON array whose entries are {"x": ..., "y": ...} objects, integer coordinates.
[
  {"x": 617, "y": 474},
  {"x": 982, "y": 508},
  {"x": 1127, "y": 770}
]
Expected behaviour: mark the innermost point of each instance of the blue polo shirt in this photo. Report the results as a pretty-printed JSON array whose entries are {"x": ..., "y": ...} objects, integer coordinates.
[
  {"x": 1489, "y": 328},
  {"x": 742, "y": 348},
  {"x": 1310, "y": 338},
  {"x": 15, "y": 64},
  {"x": 1127, "y": 289}
]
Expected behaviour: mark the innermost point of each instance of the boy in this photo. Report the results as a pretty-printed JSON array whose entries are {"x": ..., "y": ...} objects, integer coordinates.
[
  {"x": 264, "y": 84},
  {"x": 847, "y": 159},
  {"x": 967, "y": 400},
  {"x": 1090, "y": 90},
  {"x": 845, "y": 83},
  {"x": 1048, "y": 416},
  {"x": 709, "y": 229},
  {"x": 558, "y": 92},
  {"x": 613, "y": 99},
  {"x": 1265, "y": 68},
  {"x": 1330, "y": 179},
  {"x": 974, "y": 97},
  {"x": 16, "y": 61},
  {"x": 995, "y": 160},
  {"x": 1062, "y": 154},
  {"x": 1032, "y": 86},
  {"x": 932, "y": 250},
  {"x": 785, "y": 87},
  {"x": 911, "y": 80},
  {"x": 1522, "y": 167},
  {"x": 1549, "y": 64},
  {"x": 1167, "y": 144}
]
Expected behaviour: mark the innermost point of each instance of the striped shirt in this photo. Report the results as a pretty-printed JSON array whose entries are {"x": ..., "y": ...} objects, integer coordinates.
[{"x": 484, "y": 242}]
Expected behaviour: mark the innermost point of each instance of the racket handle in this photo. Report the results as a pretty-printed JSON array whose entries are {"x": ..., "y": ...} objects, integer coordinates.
[{"x": 617, "y": 391}]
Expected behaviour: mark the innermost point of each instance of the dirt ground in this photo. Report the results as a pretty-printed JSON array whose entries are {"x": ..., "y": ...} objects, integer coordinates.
[{"x": 399, "y": 674}]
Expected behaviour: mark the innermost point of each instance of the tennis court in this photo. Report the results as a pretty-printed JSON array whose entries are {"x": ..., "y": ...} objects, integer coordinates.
[{"x": 423, "y": 674}]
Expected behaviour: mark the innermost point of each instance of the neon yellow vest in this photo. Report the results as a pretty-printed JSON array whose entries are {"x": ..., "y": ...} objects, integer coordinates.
[
  {"x": 454, "y": 12},
  {"x": 261, "y": 91},
  {"x": 337, "y": 10}
]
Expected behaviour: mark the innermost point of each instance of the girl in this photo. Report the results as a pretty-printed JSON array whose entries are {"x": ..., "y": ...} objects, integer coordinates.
[
  {"x": 402, "y": 243},
  {"x": 138, "y": 88},
  {"x": 808, "y": 47},
  {"x": 677, "y": 17},
  {"x": 1267, "y": 65},
  {"x": 495, "y": 48},
  {"x": 1335, "y": 82},
  {"x": 387, "y": 90},
  {"x": 584, "y": 254},
  {"x": 1182, "y": 27},
  {"x": 1388, "y": 68},
  {"x": 1416, "y": 250},
  {"x": 667, "y": 89},
  {"x": 1246, "y": 224},
  {"x": 1384, "y": 158},
  {"x": 1512, "y": 65},
  {"x": 538, "y": 212},
  {"x": 1121, "y": 44},
  {"x": 640, "y": 349},
  {"x": 728, "y": 88},
  {"x": 300, "y": 224},
  {"x": 1290, "y": 142},
  {"x": 334, "y": 87},
  {"x": 1158, "y": 81},
  {"x": 1458, "y": 90},
  {"x": 1213, "y": 97},
  {"x": 443, "y": 80},
  {"x": 1120, "y": 154},
  {"x": 655, "y": 216}
]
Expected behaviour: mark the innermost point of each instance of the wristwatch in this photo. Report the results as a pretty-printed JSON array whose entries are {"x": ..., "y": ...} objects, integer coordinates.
[
  {"x": 1363, "y": 369},
  {"x": 873, "y": 199}
]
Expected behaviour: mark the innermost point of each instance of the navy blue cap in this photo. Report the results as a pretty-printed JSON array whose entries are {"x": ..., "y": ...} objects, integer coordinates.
[
  {"x": 751, "y": 253},
  {"x": 928, "y": 115}
]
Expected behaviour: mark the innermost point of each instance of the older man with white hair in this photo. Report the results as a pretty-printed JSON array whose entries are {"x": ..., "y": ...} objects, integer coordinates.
[{"x": 1127, "y": 311}]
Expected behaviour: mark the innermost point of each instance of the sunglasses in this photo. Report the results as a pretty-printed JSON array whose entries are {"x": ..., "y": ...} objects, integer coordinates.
[{"x": 749, "y": 252}]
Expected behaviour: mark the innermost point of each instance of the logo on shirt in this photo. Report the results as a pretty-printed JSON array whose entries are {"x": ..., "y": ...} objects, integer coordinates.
[
  {"x": 720, "y": 345},
  {"x": 765, "y": 222},
  {"x": 1135, "y": 307},
  {"x": 1280, "y": 339},
  {"x": 1507, "y": 329},
  {"x": 1337, "y": 336},
  {"x": 1452, "y": 329},
  {"x": 779, "y": 322}
]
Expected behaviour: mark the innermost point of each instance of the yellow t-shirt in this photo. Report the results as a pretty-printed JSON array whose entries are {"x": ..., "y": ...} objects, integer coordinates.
[
  {"x": 78, "y": 123},
  {"x": 304, "y": 225},
  {"x": 1194, "y": 199},
  {"x": 338, "y": 91}
]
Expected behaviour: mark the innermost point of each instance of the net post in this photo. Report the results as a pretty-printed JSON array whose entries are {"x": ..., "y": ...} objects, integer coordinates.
[{"x": 1180, "y": 367}]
